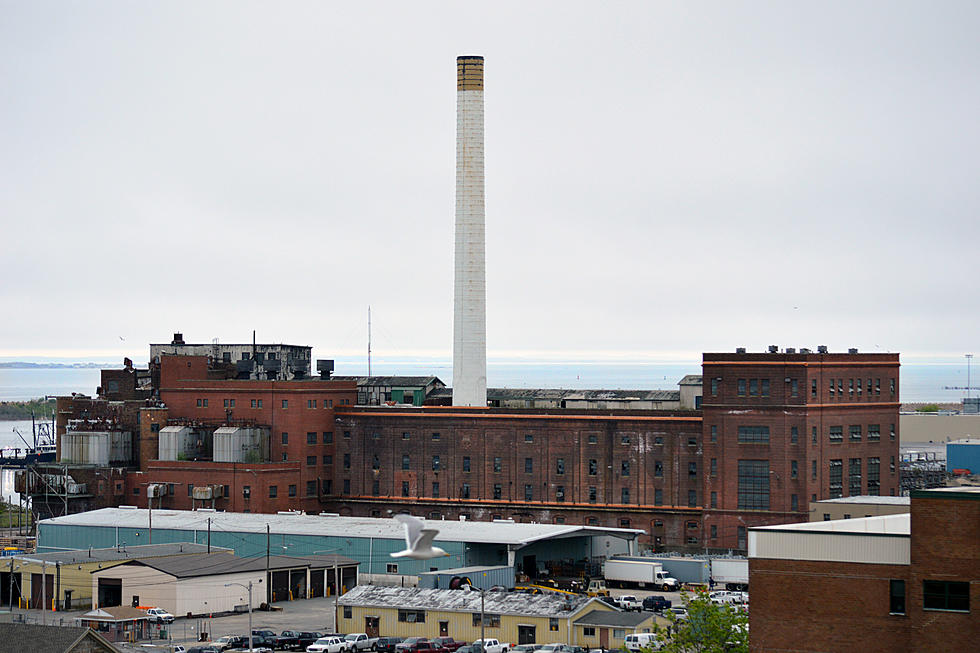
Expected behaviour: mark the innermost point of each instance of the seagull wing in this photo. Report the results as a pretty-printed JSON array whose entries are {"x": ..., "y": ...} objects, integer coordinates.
[
  {"x": 413, "y": 529},
  {"x": 424, "y": 542}
]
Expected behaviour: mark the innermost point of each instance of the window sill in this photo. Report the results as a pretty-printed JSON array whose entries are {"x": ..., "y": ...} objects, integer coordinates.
[{"x": 945, "y": 610}]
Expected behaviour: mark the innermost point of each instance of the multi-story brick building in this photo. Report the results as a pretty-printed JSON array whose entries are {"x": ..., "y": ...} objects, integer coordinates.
[
  {"x": 627, "y": 469},
  {"x": 886, "y": 583},
  {"x": 773, "y": 438},
  {"x": 782, "y": 430}
]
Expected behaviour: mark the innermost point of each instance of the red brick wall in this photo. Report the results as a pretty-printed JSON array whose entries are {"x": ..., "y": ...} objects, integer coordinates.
[
  {"x": 781, "y": 411},
  {"x": 826, "y": 606},
  {"x": 483, "y": 435},
  {"x": 945, "y": 546},
  {"x": 259, "y": 477}
]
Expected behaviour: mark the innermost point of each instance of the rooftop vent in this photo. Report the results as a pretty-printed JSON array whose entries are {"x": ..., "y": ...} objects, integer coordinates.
[
  {"x": 821, "y": 349},
  {"x": 325, "y": 368},
  {"x": 791, "y": 350},
  {"x": 178, "y": 339},
  {"x": 740, "y": 350},
  {"x": 773, "y": 349},
  {"x": 852, "y": 350},
  {"x": 804, "y": 350}
]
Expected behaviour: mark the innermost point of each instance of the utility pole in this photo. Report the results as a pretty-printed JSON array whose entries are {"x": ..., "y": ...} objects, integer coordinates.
[
  {"x": 209, "y": 535},
  {"x": 44, "y": 587},
  {"x": 369, "y": 340},
  {"x": 268, "y": 589}
]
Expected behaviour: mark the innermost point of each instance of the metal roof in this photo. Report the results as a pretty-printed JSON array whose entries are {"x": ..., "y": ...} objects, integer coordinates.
[
  {"x": 879, "y": 525},
  {"x": 396, "y": 381},
  {"x": 331, "y": 525},
  {"x": 511, "y": 603},
  {"x": 892, "y": 501},
  {"x": 463, "y": 571},
  {"x": 691, "y": 379},
  {"x": 35, "y": 638},
  {"x": 582, "y": 395},
  {"x": 125, "y": 552},
  {"x": 614, "y": 618}
]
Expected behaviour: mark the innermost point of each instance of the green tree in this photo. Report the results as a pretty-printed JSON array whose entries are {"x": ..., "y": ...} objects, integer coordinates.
[{"x": 708, "y": 628}]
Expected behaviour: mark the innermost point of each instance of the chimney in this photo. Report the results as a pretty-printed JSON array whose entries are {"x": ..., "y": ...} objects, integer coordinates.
[
  {"x": 178, "y": 339},
  {"x": 470, "y": 288}
]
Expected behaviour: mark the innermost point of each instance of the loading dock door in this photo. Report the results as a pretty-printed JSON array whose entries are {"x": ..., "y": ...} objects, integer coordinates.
[
  {"x": 531, "y": 570},
  {"x": 6, "y": 588},
  {"x": 36, "y": 590},
  {"x": 297, "y": 583},
  {"x": 316, "y": 583},
  {"x": 280, "y": 586},
  {"x": 371, "y": 626},
  {"x": 526, "y": 635},
  {"x": 110, "y": 592}
]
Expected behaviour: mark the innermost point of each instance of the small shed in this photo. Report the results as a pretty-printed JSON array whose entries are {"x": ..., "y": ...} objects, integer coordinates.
[
  {"x": 608, "y": 629},
  {"x": 117, "y": 624}
]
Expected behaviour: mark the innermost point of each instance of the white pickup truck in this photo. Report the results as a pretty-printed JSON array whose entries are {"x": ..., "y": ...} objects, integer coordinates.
[
  {"x": 628, "y": 602},
  {"x": 359, "y": 642},
  {"x": 492, "y": 646}
]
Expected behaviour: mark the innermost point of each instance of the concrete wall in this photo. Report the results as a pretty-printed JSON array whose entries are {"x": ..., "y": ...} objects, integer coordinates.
[
  {"x": 938, "y": 428},
  {"x": 153, "y": 587},
  {"x": 200, "y": 595}
]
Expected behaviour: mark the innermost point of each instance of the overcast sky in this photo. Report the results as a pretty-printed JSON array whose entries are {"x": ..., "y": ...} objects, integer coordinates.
[{"x": 662, "y": 178}]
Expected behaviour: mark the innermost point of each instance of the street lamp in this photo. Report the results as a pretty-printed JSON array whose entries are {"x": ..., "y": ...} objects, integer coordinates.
[{"x": 249, "y": 588}]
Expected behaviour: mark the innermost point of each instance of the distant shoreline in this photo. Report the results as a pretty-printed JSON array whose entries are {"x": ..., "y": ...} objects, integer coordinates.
[{"x": 23, "y": 365}]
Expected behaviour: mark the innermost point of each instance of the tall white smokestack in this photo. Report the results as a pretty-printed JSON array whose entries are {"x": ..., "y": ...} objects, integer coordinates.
[{"x": 470, "y": 307}]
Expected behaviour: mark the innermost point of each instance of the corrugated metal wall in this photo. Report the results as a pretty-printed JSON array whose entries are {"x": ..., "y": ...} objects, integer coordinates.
[{"x": 832, "y": 547}]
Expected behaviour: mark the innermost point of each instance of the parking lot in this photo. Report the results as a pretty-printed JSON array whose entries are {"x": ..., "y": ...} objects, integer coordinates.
[{"x": 307, "y": 615}]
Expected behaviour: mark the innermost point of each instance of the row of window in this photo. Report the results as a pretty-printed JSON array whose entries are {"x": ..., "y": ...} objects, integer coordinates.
[
  {"x": 202, "y": 402},
  {"x": 855, "y": 479},
  {"x": 498, "y": 491},
  {"x": 760, "y": 387},
  {"x": 953, "y": 596},
  {"x": 855, "y": 433},
  {"x": 311, "y": 437},
  {"x": 856, "y": 386},
  {"x": 528, "y": 437}
]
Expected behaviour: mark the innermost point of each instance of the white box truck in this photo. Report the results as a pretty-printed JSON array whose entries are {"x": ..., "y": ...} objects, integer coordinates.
[
  {"x": 730, "y": 573},
  {"x": 638, "y": 572}
]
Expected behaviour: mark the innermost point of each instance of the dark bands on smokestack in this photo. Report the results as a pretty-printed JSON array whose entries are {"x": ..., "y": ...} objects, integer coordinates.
[{"x": 469, "y": 73}]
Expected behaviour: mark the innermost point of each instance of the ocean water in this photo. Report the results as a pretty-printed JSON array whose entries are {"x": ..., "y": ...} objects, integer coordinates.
[{"x": 921, "y": 381}]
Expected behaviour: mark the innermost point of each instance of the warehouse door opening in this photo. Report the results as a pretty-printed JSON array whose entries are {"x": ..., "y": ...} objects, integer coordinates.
[
  {"x": 372, "y": 626},
  {"x": 110, "y": 592},
  {"x": 526, "y": 635}
]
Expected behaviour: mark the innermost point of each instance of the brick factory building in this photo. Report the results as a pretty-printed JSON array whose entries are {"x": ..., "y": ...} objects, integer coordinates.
[
  {"x": 772, "y": 437},
  {"x": 886, "y": 583},
  {"x": 785, "y": 429}
]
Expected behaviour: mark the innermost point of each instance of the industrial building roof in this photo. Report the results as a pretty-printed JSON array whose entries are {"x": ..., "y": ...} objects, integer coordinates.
[
  {"x": 216, "y": 564},
  {"x": 582, "y": 395},
  {"x": 880, "y": 525},
  {"x": 614, "y": 618},
  {"x": 463, "y": 571},
  {"x": 331, "y": 525},
  {"x": 125, "y": 552},
  {"x": 890, "y": 501},
  {"x": 396, "y": 381},
  {"x": 512, "y": 603},
  {"x": 692, "y": 379}
]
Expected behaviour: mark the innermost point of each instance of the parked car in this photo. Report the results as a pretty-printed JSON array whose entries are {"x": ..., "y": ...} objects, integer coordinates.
[
  {"x": 203, "y": 649},
  {"x": 448, "y": 643},
  {"x": 656, "y": 603},
  {"x": 328, "y": 645},
  {"x": 264, "y": 637},
  {"x": 639, "y": 641},
  {"x": 608, "y": 600},
  {"x": 159, "y": 616},
  {"x": 306, "y": 638},
  {"x": 526, "y": 648},
  {"x": 423, "y": 646},
  {"x": 409, "y": 642},
  {"x": 358, "y": 642},
  {"x": 230, "y": 641},
  {"x": 493, "y": 645},
  {"x": 288, "y": 640},
  {"x": 680, "y": 612},
  {"x": 387, "y": 644},
  {"x": 470, "y": 648},
  {"x": 629, "y": 602}
]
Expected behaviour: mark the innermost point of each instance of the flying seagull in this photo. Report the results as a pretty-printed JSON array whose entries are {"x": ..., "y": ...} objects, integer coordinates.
[{"x": 418, "y": 540}]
